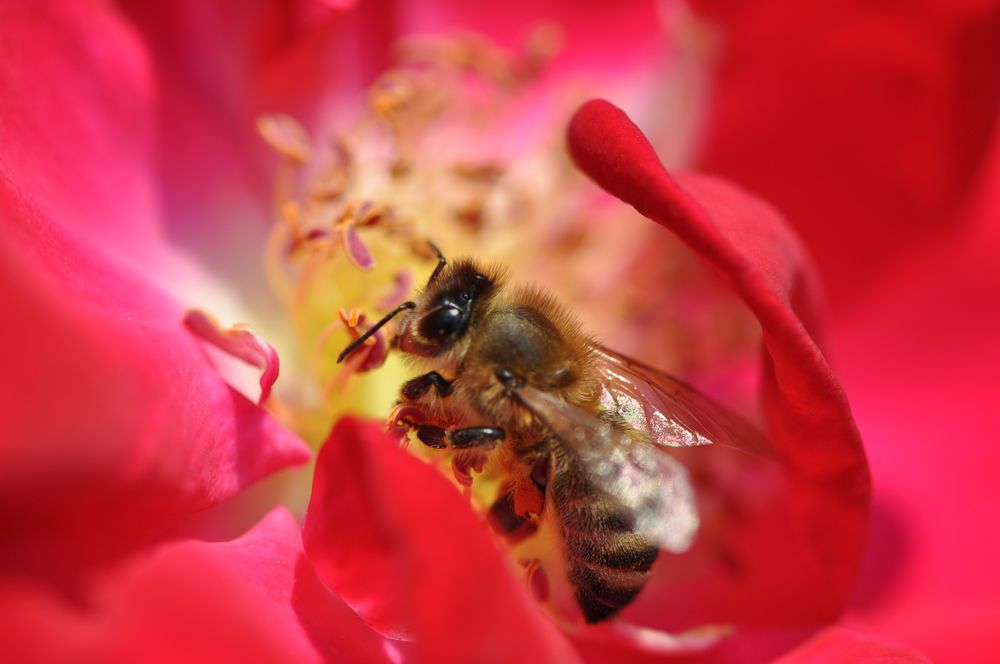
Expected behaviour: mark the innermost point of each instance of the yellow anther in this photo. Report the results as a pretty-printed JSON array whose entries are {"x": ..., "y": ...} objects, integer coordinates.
[{"x": 350, "y": 319}]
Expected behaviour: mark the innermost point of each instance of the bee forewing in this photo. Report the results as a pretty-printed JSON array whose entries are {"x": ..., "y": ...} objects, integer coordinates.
[
  {"x": 651, "y": 486},
  {"x": 669, "y": 411}
]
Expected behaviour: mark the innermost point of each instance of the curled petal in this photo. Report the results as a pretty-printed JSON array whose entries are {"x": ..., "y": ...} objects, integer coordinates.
[
  {"x": 240, "y": 342},
  {"x": 395, "y": 539},
  {"x": 807, "y": 559}
]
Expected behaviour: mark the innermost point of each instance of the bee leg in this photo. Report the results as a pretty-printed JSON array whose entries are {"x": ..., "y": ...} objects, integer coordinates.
[
  {"x": 505, "y": 520},
  {"x": 417, "y": 387},
  {"x": 474, "y": 436},
  {"x": 431, "y": 436}
]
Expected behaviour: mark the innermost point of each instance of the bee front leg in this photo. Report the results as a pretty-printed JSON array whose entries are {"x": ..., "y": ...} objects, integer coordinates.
[{"x": 417, "y": 387}]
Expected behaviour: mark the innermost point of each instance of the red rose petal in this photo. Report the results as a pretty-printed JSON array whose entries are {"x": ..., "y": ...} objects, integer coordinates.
[
  {"x": 864, "y": 123},
  {"x": 816, "y": 553},
  {"x": 919, "y": 356},
  {"x": 390, "y": 535},
  {"x": 843, "y": 646},
  {"x": 254, "y": 599},
  {"x": 77, "y": 124},
  {"x": 115, "y": 424}
]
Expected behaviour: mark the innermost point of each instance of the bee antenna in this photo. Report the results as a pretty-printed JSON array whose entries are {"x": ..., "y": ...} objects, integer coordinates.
[
  {"x": 442, "y": 261},
  {"x": 354, "y": 345}
]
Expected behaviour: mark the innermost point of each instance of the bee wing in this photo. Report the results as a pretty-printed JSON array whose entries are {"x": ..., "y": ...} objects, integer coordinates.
[
  {"x": 667, "y": 410},
  {"x": 650, "y": 485}
]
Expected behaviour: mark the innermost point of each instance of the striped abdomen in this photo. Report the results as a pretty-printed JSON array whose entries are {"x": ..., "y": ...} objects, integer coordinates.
[{"x": 608, "y": 563}]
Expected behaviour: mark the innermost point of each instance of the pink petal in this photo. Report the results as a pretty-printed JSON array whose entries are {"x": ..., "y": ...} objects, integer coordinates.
[
  {"x": 596, "y": 38},
  {"x": 252, "y": 599},
  {"x": 919, "y": 355},
  {"x": 803, "y": 568},
  {"x": 390, "y": 535},
  {"x": 240, "y": 342},
  {"x": 115, "y": 424},
  {"x": 78, "y": 123},
  {"x": 865, "y": 124},
  {"x": 838, "y": 645}
]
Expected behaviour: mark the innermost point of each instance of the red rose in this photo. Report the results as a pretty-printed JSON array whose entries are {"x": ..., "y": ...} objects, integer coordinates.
[{"x": 132, "y": 213}]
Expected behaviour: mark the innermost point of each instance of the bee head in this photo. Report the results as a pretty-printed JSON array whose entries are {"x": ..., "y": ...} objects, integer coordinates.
[
  {"x": 444, "y": 311},
  {"x": 441, "y": 315}
]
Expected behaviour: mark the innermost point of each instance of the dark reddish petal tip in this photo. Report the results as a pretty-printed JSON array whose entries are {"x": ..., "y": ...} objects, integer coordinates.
[
  {"x": 809, "y": 420},
  {"x": 609, "y": 148}
]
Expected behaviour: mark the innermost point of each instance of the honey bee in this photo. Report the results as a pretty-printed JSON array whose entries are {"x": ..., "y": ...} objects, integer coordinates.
[{"x": 580, "y": 429}]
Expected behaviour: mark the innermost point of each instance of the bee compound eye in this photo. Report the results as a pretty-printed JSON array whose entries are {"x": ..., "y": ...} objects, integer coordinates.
[{"x": 442, "y": 323}]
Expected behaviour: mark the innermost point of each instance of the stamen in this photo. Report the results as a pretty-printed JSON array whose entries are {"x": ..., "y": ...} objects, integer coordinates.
[
  {"x": 351, "y": 242},
  {"x": 471, "y": 214},
  {"x": 291, "y": 215},
  {"x": 368, "y": 351},
  {"x": 275, "y": 252},
  {"x": 485, "y": 173},
  {"x": 286, "y": 136},
  {"x": 374, "y": 330},
  {"x": 403, "y": 286},
  {"x": 333, "y": 180}
]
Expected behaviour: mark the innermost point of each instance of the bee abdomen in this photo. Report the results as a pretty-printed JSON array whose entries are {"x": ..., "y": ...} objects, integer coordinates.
[
  {"x": 607, "y": 566},
  {"x": 608, "y": 562}
]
